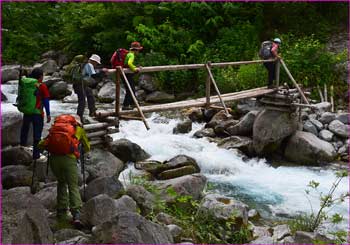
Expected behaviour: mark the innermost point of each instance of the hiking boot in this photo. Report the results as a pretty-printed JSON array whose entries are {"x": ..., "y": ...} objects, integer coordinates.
[
  {"x": 92, "y": 113},
  {"x": 76, "y": 220}
]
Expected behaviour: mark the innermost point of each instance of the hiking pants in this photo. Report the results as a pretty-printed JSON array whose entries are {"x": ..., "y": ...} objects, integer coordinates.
[
  {"x": 38, "y": 123},
  {"x": 66, "y": 171},
  {"x": 82, "y": 92},
  {"x": 128, "y": 98},
  {"x": 270, "y": 66}
]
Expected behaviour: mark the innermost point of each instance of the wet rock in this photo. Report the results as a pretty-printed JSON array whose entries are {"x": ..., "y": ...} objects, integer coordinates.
[
  {"x": 126, "y": 150},
  {"x": 339, "y": 129},
  {"x": 245, "y": 126},
  {"x": 183, "y": 127},
  {"x": 306, "y": 148},
  {"x": 24, "y": 219},
  {"x": 245, "y": 144},
  {"x": 326, "y": 135},
  {"x": 107, "y": 93},
  {"x": 128, "y": 227},
  {"x": 182, "y": 160},
  {"x": 287, "y": 240},
  {"x": 327, "y": 117},
  {"x": 343, "y": 117},
  {"x": 217, "y": 119},
  {"x": 144, "y": 199},
  {"x": 280, "y": 232},
  {"x": 17, "y": 155},
  {"x": 102, "y": 208},
  {"x": 146, "y": 83},
  {"x": 209, "y": 113},
  {"x": 195, "y": 114},
  {"x": 177, "y": 172},
  {"x": 205, "y": 132},
  {"x": 48, "y": 197},
  {"x": 9, "y": 73},
  {"x": 222, "y": 128},
  {"x": 270, "y": 129},
  {"x": 104, "y": 185},
  {"x": 59, "y": 90},
  {"x": 15, "y": 176},
  {"x": 310, "y": 127},
  {"x": 159, "y": 97}
]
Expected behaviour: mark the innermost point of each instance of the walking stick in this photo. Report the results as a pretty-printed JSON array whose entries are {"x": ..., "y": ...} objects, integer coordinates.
[
  {"x": 32, "y": 188},
  {"x": 82, "y": 160}
]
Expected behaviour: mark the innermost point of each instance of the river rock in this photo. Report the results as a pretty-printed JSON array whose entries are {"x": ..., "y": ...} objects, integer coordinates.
[
  {"x": 177, "y": 172},
  {"x": 195, "y": 114},
  {"x": 344, "y": 150},
  {"x": 209, "y": 113},
  {"x": 131, "y": 228},
  {"x": 303, "y": 237},
  {"x": 102, "y": 208},
  {"x": 141, "y": 95},
  {"x": 205, "y": 132},
  {"x": 17, "y": 155},
  {"x": 69, "y": 234},
  {"x": 245, "y": 144},
  {"x": 221, "y": 128},
  {"x": 72, "y": 98},
  {"x": 323, "y": 107},
  {"x": 326, "y": 135},
  {"x": 50, "y": 80},
  {"x": 180, "y": 161},
  {"x": 327, "y": 117},
  {"x": 48, "y": 66},
  {"x": 9, "y": 72},
  {"x": 48, "y": 197},
  {"x": 183, "y": 127},
  {"x": 317, "y": 124},
  {"x": 104, "y": 185},
  {"x": 280, "y": 232},
  {"x": 24, "y": 219},
  {"x": 164, "y": 218},
  {"x": 270, "y": 129},
  {"x": 217, "y": 119},
  {"x": 306, "y": 148},
  {"x": 245, "y": 126},
  {"x": 102, "y": 163},
  {"x": 159, "y": 97},
  {"x": 126, "y": 150},
  {"x": 15, "y": 175},
  {"x": 253, "y": 214},
  {"x": 146, "y": 82},
  {"x": 224, "y": 208},
  {"x": 246, "y": 105},
  {"x": 107, "y": 93},
  {"x": 261, "y": 231},
  {"x": 191, "y": 185},
  {"x": 339, "y": 128},
  {"x": 11, "y": 122},
  {"x": 58, "y": 90},
  {"x": 144, "y": 199},
  {"x": 343, "y": 117},
  {"x": 310, "y": 127},
  {"x": 175, "y": 231}
]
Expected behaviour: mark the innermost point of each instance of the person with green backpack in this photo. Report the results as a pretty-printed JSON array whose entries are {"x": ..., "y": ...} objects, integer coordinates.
[{"x": 33, "y": 96}]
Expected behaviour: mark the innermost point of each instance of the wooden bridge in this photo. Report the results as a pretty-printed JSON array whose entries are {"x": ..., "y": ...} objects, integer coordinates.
[{"x": 207, "y": 102}]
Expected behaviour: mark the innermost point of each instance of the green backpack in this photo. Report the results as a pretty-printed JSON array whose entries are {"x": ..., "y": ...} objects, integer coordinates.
[
  {"x": 74, "y": 71},
  {"x": 26, "y": 99}
]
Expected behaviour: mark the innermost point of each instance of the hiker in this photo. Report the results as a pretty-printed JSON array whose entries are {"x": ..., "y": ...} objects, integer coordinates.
[
  {"x": 270, "y": 66},
  {"x": 83, "y": 88},
  {"x": 65, "y": 140},
  {"x": 135, "y": 48},
  {"x": 33, "y": 95}
]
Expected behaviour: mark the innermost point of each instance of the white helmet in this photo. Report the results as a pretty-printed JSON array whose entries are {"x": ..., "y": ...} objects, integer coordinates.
[
  {"x": 277, "y": 40},
  {"x": 96, "y": 58}
]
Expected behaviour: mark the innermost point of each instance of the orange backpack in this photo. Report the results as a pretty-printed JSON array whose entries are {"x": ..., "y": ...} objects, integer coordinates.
[{"x": 61, "y": 139}]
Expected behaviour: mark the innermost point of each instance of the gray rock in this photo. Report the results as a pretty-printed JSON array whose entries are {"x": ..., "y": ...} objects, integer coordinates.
[
  {"x": 164, "y": 218},
  {"x": 15, "y": 176},
  {"x": 280, "y": 232},
  {"x": 327, "y": 117},
  {"x": 270, "y": 129},
  {"x": 17, "y": 155},
  {"x": 326, "y": 135},
  {"x": 24, "y": 219},
  {"x": 253, "y": 214},
  {"x": 263, "y": 240},
  {"x": 306, "y": 148},
  {"x": 104, "y": 185},
  {"x": 180, "y": 161},
  {"x": 9, "y": 73},
  {"x": 159, "y": 97},
  {"x": 102, "y": 208},
  {"x": 309, "y": 237},
  {"x": 102, "y": 163},
  {"x": 323, "y": 107},
  {"x": 11, "y": 122},
  {"x": 218, "y": 118},
  {"x": 313, "y": 116},
  {"x": 175, "y": 231},
  {"x": 146, "y": 82},
  {"x": 310, "y": 127},
  {"x": 50, "y": 80},
  {"x": 245, "y": 126},
  {"x": 205, "y": 132},
  {"x": 221, "y": 129},
  {"x": 339, "y": 129},
  {"x": 195, "y": 114},
  {"x": 261, "y": 231},
  {"x": 245, "y": 144},
  {"x": 73, "y": 98},
  {"x": 344, "y": 150},
  {"x": 177, "y": 172},
  {"x": 304, "y": 115},
  {"x": 246, "y": 105},
  {"x": 144, "y": 199},
  {"x": 59, "y": 90},
  {"x": 183, "y": 127},
  {"x": 107, "y": 93},
  {"x": 140, "y": 95},
  {"x": 48, "y": 67},
  {"x": 224, "y": 208},
  {"x": 48, "y": 197},
  {"x": 77, "y": 240},
  {"x": 68, "y": 234},
  {"x": 3, "y": 97},
  {"x": 126, "y": 150},
  {"x": 343, "y": 117},
  {"x": 317, "y": 124},
  {"x": 131, "y": 228}
]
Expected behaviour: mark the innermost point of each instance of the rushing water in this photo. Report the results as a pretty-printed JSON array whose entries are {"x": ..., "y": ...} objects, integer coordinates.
[{"x": 274, "y": 191}]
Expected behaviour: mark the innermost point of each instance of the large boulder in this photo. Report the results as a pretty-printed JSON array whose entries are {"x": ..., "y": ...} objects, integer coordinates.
[
  {"x": 183, "y": 127},
  {"x": 50, "y": 80},
  {"x": 246, "y": 105},
  {"x": 306, "y": 148},
  {"x": 339, "y": 129},
  {"x": 245, "y": 144},
  {"x": 102, "y": 208},
  {"x": 71, "y": 236},
  {"x": 104, "y": 185},
  {"x": 270, "y": 129},
  {"x": 17, "y": 155},
  {"x": 310, "y": 127},
  {"x": 245, "y": 126},
  {"x": 222, "y": 128},
  {"x": 15, "y": 175},
  {"x": 48, "y": 66},
  {"x": 205, "y": 132},
  {"x": 48, "y": 197},
  {"x": 107, "y": 93},
  {"x": 10, "y": 72},
  {"x": 11, "y": 122},
  {"x": 344, "y": 118},
  {"x": 146, "y": 83},
  {"x": 126, "y": 150},
  {"x": 24, "y": 219},
  {"x": 131, "y": 228},
  {"x": 217, "y": 119},
  {"x": 327, "y": 117},
  {"x": 159, "y": 97},
  {"x": 58, "y": 90},
  {"x": 144, "y": 199},
  {"x": 102, "y": 163}
]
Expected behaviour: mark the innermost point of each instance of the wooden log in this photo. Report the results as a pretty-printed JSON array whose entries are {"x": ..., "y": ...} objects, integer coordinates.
[
  {"x": 128, "y": 117},
  {"x": 112, "y": 130},
  {"x": 320, "y": 93},
  {"x": 96, "y": 142},
  {"x": 325, "y": 92},
  {"x": 96, "y": 134},
  {"x": 95, "y": 126},
  {"x": 216, "y": 88},
  {"x": 304, "y": 105},
  {"x": 294, "y": 82},
  {"x": 135, "y": 100}
]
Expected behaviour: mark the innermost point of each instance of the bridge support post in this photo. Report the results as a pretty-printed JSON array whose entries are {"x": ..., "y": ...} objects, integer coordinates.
[
  {"x": 277, "y": 72},
  {"x": 207, "y": 92}
]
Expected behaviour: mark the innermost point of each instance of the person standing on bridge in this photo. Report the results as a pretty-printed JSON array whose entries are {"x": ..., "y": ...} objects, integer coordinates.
[
  {"x": 269, "y": 50},
  {"x": 129, "y": 63}
]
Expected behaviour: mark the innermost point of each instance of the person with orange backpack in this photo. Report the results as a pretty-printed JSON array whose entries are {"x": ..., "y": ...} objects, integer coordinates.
[{"x": 65, "y": 139}]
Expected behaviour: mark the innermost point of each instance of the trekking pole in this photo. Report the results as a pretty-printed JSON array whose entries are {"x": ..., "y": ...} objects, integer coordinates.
[
  {"x": 82, "y": 160},
  {"x": 32, "y": 188}
]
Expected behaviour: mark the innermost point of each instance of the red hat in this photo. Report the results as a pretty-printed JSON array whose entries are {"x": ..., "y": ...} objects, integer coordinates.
[{"x": 136, "y": 45}]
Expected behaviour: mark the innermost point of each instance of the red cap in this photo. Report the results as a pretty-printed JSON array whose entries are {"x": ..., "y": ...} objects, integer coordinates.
[{"x": 136, "y": 45}]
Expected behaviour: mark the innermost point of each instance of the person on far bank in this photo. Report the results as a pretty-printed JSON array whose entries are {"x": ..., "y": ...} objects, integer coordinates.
[
  {"x": 270, "y": 66},
  {"x": 135, "y": 48}
]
